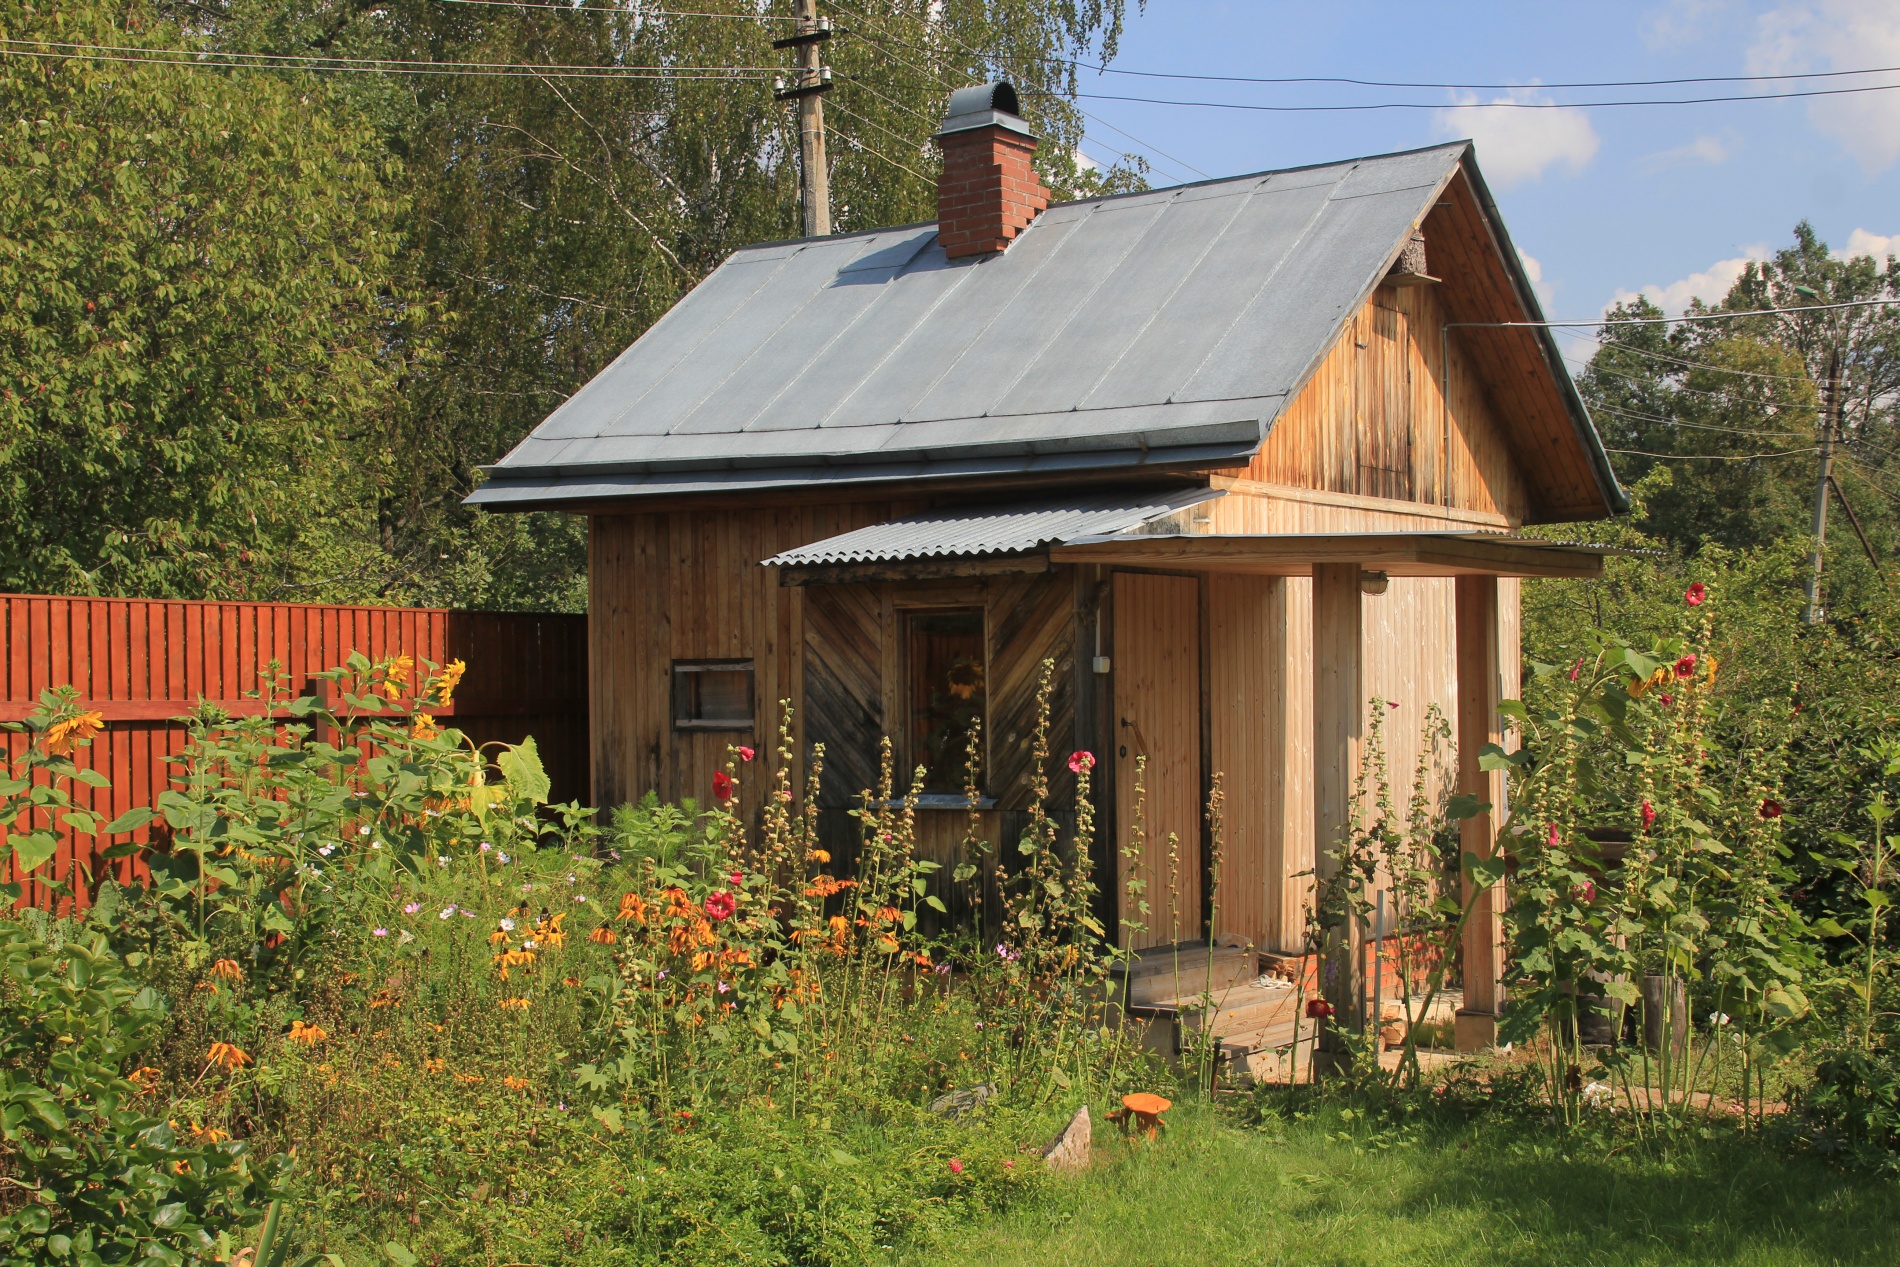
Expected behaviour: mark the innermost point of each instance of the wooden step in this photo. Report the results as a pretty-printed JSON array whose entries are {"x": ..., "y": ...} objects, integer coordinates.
[{"x": 1164, "y": 973}]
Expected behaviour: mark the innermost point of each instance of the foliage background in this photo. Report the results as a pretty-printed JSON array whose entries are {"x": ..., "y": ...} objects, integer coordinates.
[{"x": 320, "y": 301}]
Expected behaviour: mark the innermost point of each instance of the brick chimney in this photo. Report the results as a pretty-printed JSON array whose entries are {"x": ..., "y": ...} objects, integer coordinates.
[{"x": 988, "y": 192}]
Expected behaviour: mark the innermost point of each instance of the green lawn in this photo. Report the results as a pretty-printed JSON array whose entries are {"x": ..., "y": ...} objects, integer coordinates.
[{"x": 1319, "y": 1194}]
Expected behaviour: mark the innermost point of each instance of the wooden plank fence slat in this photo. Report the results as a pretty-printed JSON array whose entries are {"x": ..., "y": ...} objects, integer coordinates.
[{"x": 142, "y": 664}]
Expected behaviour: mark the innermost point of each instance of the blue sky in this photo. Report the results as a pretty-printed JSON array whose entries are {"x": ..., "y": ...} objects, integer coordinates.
[{"x": 1607, "y": 202}]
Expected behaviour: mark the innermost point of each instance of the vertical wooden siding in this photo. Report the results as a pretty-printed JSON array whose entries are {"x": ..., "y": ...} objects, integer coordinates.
[
  {"x": 1158, "y": 715},
  {"x": 1247, "y": 686},
  {"x": 1397, "y": 412},
  {"x": 687, "y": 585},
  {"x": 143, "y": 663}
]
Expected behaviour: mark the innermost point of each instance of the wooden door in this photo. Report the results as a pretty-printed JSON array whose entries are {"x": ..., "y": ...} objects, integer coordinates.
[{"x": 1157, "y": 673}]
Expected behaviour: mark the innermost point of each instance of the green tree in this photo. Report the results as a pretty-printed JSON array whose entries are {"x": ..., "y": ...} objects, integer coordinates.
[
  {"x": 199, "y": 320},
  {"x": 1731, "y": 406},
  {"x": 558, "y": 215}
]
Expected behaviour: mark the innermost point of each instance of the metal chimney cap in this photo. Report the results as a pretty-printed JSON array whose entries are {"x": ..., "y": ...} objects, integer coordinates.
[{"x": 991, "y": 105}]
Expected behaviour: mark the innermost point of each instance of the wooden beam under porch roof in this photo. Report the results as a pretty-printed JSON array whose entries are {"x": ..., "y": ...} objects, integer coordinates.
[{"x": 1302, "y": 554}]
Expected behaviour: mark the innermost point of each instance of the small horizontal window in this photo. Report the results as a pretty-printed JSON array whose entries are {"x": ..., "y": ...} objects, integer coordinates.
[{"x": 712, "y": 695}]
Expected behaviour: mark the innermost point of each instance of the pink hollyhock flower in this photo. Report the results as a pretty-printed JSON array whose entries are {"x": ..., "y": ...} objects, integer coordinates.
[
  {"x": 1576, "y": 670},
  {"x": 956, "y": 1167},
  {"x": 737, "y": 878},
  {"x": 722, "y": 786},
  {"x": 720, "y": 905},
  {"x": 1696, "y": 594},
  {"x": 745, "y": 753},
  {"x": 1080, "y": 761},
  {"x": 1649, "y": 815},
  {"x": 1685, "y": 667},
  {"x": 1585, "y": 892},
  {"x": 1552, "y": 841},
  {"x": 1665, "y": 700}
]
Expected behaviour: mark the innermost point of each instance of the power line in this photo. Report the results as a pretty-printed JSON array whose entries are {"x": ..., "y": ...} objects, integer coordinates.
[
  {"x": 1693, "y": 426},
  {"x": 1696, "y": 426},
  {"x": 1492, "y": 105},
  {"x": 623, "y": 12},
  {"x": 888, "y": 36},
  {"x": 1401, "y": 83},
  {"x": 1692, "y": 316},
  {"x": 223, "y": 60},
  {"x": 1713, "y": 457},
  {"x": 1685, "y": 364},
  {"x": 859, "y": 142}
]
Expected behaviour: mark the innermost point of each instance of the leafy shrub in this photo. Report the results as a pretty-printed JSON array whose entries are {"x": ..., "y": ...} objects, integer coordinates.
[
  {"x": 1854, "y": 1104},
  {"x": 93, "y": 1176}
]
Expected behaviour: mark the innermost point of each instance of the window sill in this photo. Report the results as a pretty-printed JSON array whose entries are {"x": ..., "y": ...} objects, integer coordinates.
[{"x": 939, "y": 800}]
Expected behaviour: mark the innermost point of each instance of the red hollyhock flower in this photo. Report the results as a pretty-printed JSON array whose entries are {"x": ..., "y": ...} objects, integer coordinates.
[
  {"x": 1319, "y": 1009},
  {"x": 722, "y": 786},
  {"x": 745, "y": 753},
  {"x": 1666, "y": 700},
  {"x": 1576, "y": 670},
  {"x": 1685, "y": 667},
  {"x": 1696, "y": 594},
  {"x": 1080, "y": 761},
  {"x": 1649, "y": 815},
  {"x": 1585, "y": 892},
  {"x": 1552, "y": 841},
  {"x": 720, "y": 905},
  {"x": 1770, "y": 808},
  {"x": 737, "y": 878}
]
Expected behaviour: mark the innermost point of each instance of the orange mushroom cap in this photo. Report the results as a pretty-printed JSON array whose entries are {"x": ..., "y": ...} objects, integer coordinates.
[{"x": 1146, "y": 1103}]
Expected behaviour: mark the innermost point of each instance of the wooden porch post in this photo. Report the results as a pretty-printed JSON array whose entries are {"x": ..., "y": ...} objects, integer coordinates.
[
  {"x": 1480, "y": 684},
  {"x": 1338, "y": 707}
]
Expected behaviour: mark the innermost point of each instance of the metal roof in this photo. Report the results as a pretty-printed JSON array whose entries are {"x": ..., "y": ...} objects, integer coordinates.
[
  {"x": 1008, "y": 528},
  {"x": 1139, "y": 329}
]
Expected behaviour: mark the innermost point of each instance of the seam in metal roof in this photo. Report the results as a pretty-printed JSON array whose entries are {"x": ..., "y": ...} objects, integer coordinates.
[{"x": 1008, "y": 528}]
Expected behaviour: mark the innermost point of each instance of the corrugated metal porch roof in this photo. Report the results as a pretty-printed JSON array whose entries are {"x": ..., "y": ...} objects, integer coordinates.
[{"x": 997, "y": 528}]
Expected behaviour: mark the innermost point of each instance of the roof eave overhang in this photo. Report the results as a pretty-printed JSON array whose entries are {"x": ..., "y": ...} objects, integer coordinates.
[
  {"x": 608, "y": 489},
  {"x": 1616, "y": 499}
]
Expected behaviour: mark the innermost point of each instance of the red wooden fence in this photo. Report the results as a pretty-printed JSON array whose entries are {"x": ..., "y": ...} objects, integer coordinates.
[{"x": 143, "y": 663}]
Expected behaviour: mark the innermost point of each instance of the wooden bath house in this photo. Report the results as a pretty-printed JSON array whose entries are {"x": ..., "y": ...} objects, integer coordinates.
[{"x": 1237, "y": 456}]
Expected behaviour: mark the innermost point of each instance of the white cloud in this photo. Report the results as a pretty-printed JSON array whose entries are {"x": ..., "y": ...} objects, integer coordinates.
[
  {"x": 1704, "y": 149},
  {"x": 1839, "y": 35},
  {"x": 1516, "y": 145},
  {"x": 1860, "y": 242},
  {"x": 1685, "y": 21},
  {"x": 1709, "y": 285},
  {"x": 1535, "y": 271}
]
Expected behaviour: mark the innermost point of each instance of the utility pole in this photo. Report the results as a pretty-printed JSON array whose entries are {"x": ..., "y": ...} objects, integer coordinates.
[
  {"x": 1831, "y": 402},
  {"x": 812, "y": 80}
]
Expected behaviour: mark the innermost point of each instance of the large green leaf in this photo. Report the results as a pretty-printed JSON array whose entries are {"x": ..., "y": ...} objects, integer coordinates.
[{"x": 521, "y": 767}]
